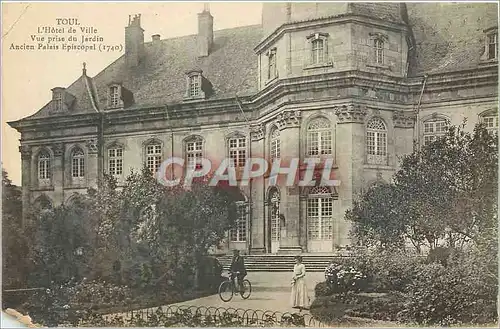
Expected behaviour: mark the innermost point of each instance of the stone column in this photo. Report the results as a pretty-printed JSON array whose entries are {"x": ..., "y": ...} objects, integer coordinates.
[
  {"x": 93, "y": 163},
  {"x": 350, "y": 160},
  {"x": 257, "y": 194},
  {"x": 58, "y": 173},
  {"x": 288, "y": 123},
  {"x": 26, "y": 154}
]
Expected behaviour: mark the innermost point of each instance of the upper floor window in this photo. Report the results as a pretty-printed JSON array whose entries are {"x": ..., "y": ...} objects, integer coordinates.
[
  {"x": 491, "y": 122},
  {"x": 433, "y": 129},
  {"x": 378, "y": 50},
  {"x": 114, "y": 96},
  {"x": 194, "y": 152},
  {"x": 238, "y": 151},
  {"x": 44, "y": 165},
  {"x": 153, "y": 156},
  {"x": 318, "y": 51},
  {"x": 115, "y": 161},
  {"x": 376, "y": 141},
  {"x": 271, "y": 69},
  {"x": 58, "y": 100},
  {"x": 274, "y": 146},
  {"x": 492, "y": 45},
  {"x": 319, "y": 137},
  {"x": 77, "y": 163}
]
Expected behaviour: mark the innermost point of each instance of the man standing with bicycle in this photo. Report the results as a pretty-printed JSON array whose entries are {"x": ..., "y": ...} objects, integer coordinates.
[{"x": 238, "y": 268}]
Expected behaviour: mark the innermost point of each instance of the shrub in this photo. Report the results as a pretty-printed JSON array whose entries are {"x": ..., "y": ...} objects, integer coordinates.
[
  {"x": 344, "y": 278},
  {"x": 322, "y": 289},
  {"x": 463, "y": 292}
]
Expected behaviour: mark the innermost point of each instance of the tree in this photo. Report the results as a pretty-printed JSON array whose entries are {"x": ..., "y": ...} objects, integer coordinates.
[
  {"x": 444, "y": 194},
  {"x": 14, "y": 240}
]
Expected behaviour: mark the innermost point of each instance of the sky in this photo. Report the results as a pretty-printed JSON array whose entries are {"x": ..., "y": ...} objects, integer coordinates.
[{"x": 29, "y": 76}]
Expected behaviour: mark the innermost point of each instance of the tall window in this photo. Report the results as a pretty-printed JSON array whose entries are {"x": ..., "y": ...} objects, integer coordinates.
[
  {"x": 319, "y": 137},
  {"x": 114, "y": 96},
  {"x": 194, "y": 85},
  {"x": 492, "y": 45},
  {"x": 274, "y": 149},
  {"x": 434, "y": 129},
  {"x": 77, "y": 163},
  {"x": 318, "y": 51},
  {"x": 58, "y": 100},
  {"x": 319, "y": 214},
  {"x": 194, "y": 152},
  {"x": 153, "y": 156},
  {"x": 491, "y": 122},
  {"x": 238, "y": 151},
  {"x": 44, "y": 166},
  {"x": 239, "y": 232},
  {"x": 271, "y": 73},
  {"x": 115, "y": 161},
  {"x": 378, "y": 50},
  {"x": 376, "y": 137}
]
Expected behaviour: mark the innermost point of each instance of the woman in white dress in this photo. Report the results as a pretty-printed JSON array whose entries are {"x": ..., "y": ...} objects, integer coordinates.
[{"x": 299, "y": 298}]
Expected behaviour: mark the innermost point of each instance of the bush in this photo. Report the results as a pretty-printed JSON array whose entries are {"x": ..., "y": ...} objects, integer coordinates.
[
  {"x": 323, "y": 289},
  {"x": 464, "y": 292},
  {"x": 344, "y": 278}
]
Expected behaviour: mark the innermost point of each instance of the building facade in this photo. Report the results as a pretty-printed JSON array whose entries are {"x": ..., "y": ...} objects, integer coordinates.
[{"x": 359, "y": 83}]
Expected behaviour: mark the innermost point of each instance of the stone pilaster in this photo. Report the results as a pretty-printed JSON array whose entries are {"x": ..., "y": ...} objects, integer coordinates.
[
  {"x": 289, "y": 124},
  {"x": 26, "y": 154}
]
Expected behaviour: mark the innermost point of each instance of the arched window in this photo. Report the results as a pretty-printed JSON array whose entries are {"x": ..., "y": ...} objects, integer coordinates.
[
  {"x": 43, "y": 203},
  {"x": 490, "y": 120},
  {"x": 239, "y": 232},
  {"x": 433, "y": 129},
  {"x": 153, "y": 156},
  {"x": 376, "y": 137},
  {"x": 378, "y": 50},
  {"x": 237, "y": 150},
  {"x": 77, "y": 163},
  {"x": 194, "y": 152},
  {"x": 319, "y": 216},
  {"x": 115, "y": 160},
  {"x": 274, "y": 145},
  {"x": 44, "y": 166},
  {"x": 319, "y": 137}
]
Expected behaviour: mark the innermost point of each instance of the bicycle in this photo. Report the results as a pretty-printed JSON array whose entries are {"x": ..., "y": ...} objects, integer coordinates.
[{"x": 227, "y": 288}]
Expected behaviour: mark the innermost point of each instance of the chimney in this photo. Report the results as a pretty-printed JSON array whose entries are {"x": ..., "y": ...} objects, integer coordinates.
[
  {"x": 134, "y": 41},
  {"x": 205, "y": 37},
  {"x": 155, "y": 38}
]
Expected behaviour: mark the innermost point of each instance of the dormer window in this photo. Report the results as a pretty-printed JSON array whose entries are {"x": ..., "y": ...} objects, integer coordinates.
[
  {"x": 319, "y": 48},
  {"x": 194, "y": 85},
  {"x": 492, "y": 45},
  {"x": 115, "y": 96},
  {"x": 58, "y": 99}
]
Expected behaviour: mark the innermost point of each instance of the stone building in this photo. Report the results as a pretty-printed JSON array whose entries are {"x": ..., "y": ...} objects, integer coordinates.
[{"x": 359, "y": 83}]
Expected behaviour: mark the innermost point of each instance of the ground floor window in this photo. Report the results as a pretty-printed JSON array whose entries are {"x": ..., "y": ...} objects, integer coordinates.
[{"x": 239, "y": 232}]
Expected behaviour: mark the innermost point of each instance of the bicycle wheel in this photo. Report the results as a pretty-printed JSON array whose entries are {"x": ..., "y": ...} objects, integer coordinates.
[
  {"x": 226, "y": 291},
  {"x": 247, "y": 289}
]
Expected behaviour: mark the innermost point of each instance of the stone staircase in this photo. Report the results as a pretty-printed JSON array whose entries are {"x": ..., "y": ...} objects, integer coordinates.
[{"x": 283, "y": 263}]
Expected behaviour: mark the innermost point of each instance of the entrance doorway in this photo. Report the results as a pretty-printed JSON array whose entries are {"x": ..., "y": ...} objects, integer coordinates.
[{"x": 274, "y": 220}]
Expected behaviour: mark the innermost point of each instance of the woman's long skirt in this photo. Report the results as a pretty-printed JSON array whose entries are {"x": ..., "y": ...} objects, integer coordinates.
[{"x": 299, "y": 297}]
